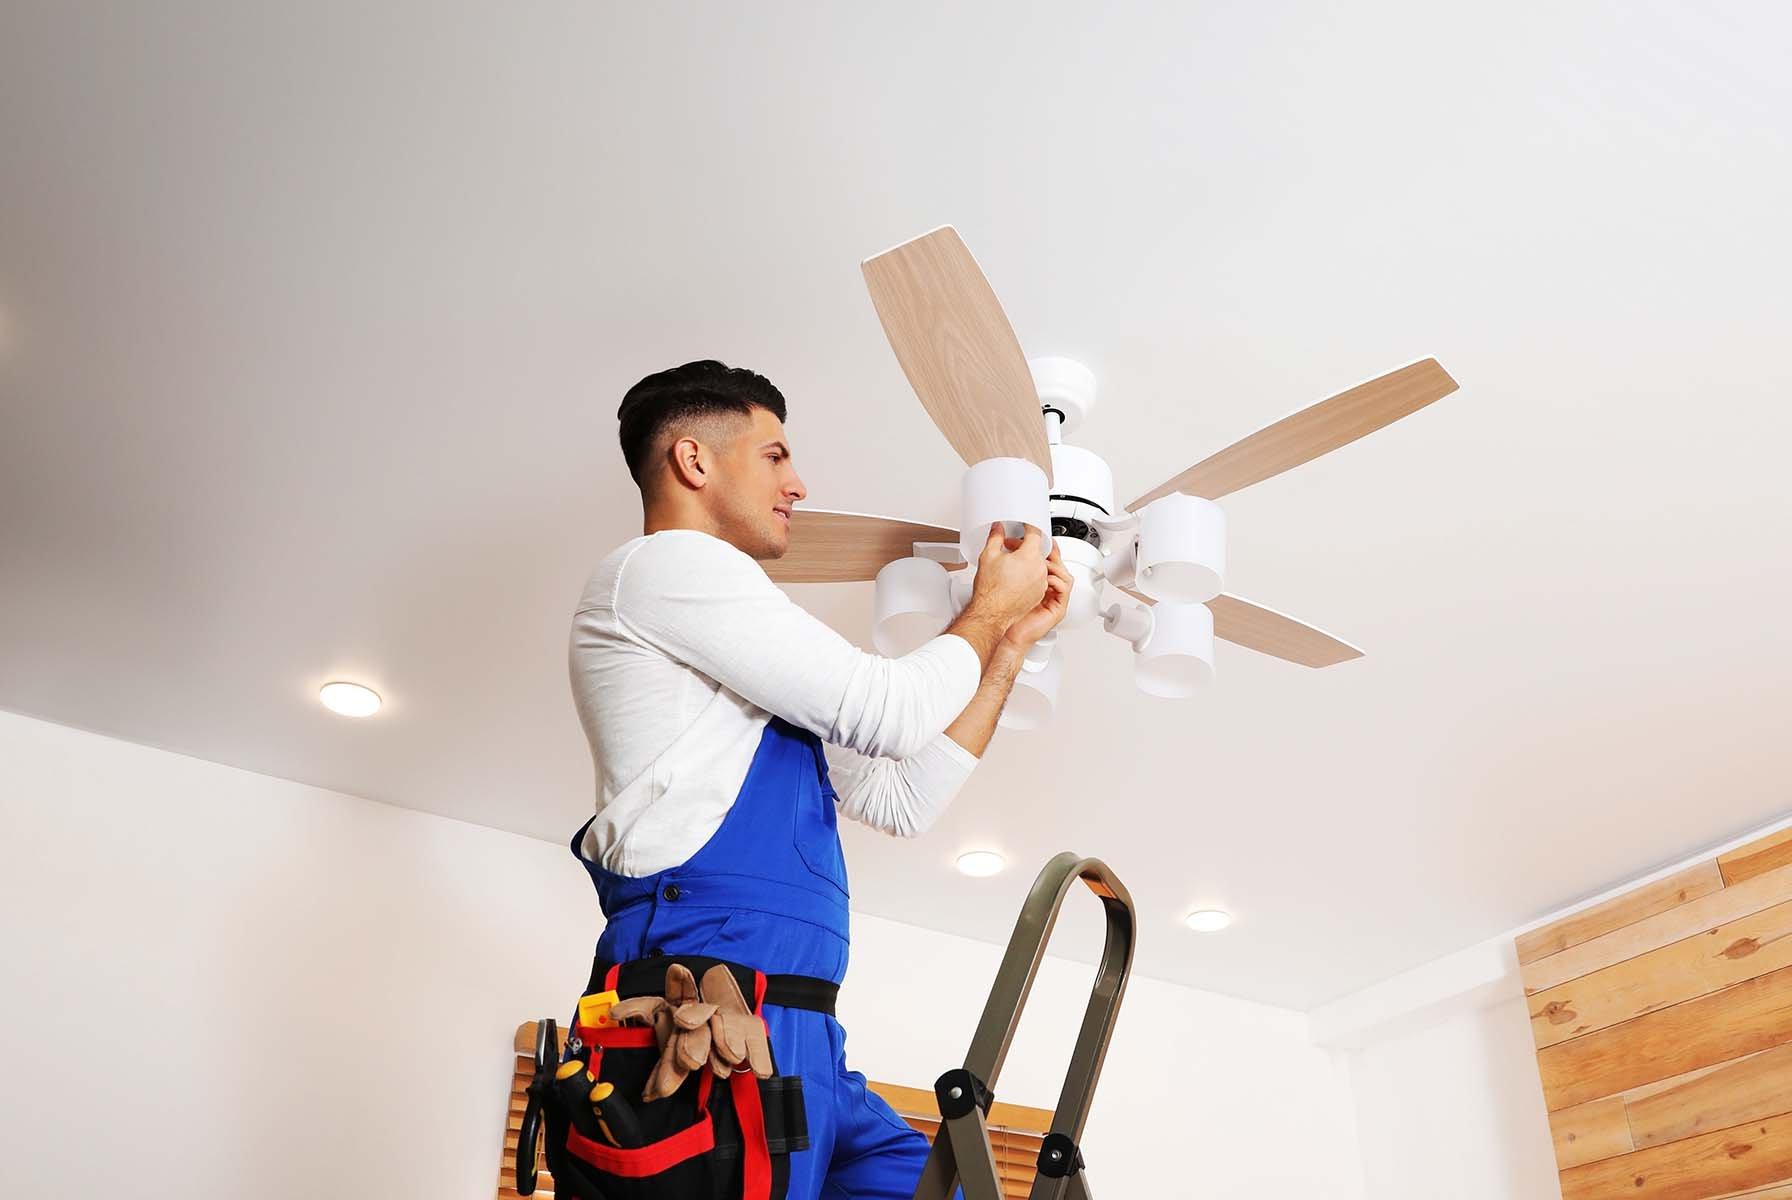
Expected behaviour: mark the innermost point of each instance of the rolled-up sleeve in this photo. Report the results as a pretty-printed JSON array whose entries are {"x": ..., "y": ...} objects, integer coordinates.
[{"x": 701, "y": 601}]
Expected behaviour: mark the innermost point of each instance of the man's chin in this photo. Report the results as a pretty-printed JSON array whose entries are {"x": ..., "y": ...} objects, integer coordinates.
[{"x": 775, "y": 545}]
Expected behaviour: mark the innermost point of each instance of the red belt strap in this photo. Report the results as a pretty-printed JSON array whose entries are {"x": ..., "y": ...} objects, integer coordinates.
[
  {"x": 688, "y": 1143},
  {"x": 756, "y": 1174}
]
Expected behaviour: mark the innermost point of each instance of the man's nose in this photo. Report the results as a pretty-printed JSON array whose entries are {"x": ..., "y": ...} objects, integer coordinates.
[{"x": 795, "y": 489}]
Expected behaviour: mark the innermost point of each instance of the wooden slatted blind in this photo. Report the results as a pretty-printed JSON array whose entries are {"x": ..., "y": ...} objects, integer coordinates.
[
  {"x": 1663, "y": 1025},
  {"x": 524, "y": 1046},
  {"x": 1015, "y": 1134}
]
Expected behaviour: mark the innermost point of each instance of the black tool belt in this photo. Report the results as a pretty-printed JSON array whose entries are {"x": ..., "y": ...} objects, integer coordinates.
[
  {"x": 714, "y": 1138},
  {"x": 646, "y": 976}
]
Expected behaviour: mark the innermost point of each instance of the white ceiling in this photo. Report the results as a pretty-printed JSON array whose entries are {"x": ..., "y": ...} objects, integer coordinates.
[{"x": 313, "y": 320}]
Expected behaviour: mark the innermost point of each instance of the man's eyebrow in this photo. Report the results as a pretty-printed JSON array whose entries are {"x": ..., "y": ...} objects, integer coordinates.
[{"x": 779, "y": 444}]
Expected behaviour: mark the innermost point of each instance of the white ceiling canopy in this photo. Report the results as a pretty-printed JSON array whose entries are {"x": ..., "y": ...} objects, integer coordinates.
[{"x": 314, "y": 319}]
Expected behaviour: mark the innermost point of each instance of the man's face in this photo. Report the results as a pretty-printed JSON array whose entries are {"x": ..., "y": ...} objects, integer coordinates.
[{"x": 756, "y": 487}]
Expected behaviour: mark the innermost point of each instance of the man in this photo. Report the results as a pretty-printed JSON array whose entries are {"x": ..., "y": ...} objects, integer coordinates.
[{"x": 706, "y": 694}]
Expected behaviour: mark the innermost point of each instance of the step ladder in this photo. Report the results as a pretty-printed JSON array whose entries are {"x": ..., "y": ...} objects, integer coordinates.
[{"x": 961, "y": 1152}]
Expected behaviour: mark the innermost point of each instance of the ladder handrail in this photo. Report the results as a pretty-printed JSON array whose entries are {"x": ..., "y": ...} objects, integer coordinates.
[{"x": 961, "y": 1153}]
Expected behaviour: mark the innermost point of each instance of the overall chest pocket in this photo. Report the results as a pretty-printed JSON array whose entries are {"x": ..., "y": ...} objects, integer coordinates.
[{"x": 817, "y": 832}]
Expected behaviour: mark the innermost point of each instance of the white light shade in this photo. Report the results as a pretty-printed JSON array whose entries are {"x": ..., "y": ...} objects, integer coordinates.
[
  {"x": 964, "y": 582},
  {"x": 981, "y": 864},
  {"x": 1011, "y": 490},
  {"x": 1182, "y": 549},
  {"x": 1208, "y": 920},
  {"x": 1176, "y": 659},
  {"x": 349, "y": 699},
  {"x": 1083, "y": 561},
  {"x": 1035, "y": 695},
  {"x": 911, "y": 603}
]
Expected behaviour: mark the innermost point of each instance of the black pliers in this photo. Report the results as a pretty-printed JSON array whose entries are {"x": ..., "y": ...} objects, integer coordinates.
[{"x": 547, "y": 1056}]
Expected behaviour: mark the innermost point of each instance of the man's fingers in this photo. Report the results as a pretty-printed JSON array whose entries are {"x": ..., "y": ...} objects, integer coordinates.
[
  {"x": 1012, "y": 544},
  {"x": 992, "y": 544}
]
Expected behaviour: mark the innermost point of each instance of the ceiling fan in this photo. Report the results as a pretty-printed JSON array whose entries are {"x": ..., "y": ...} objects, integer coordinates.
[{"x": 1007, "y": 417}]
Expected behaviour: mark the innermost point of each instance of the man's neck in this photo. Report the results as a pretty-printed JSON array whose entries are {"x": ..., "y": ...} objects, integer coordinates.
[
  {"x": 677, "y": 516},
  {"x": 659, "y": 519}
]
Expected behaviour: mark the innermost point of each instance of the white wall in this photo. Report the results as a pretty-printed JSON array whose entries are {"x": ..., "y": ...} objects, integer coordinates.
[
  {"x": 326, "y": 982},
  {"x": 1443, "y": 1079},
  {"x": 1453, "y": 1110},
  {"x": 214, "y": 983}
]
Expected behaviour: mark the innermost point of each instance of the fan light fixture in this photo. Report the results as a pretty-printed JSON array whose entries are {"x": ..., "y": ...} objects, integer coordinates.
[
  {"x": 1172, "y": 646},
  {"x": 349, "y": 699},
  {"x": 1035, "y": 694},
  {"x": 912, "y": 605},
  {"x": 1176, "y": 659},
  {"x": 1182, "y": 549},
  {"x": 1010, "y": 490}
]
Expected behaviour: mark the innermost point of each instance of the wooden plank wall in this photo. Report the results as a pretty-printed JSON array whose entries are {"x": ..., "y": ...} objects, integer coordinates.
[{"x": 1663, "y": 1023}]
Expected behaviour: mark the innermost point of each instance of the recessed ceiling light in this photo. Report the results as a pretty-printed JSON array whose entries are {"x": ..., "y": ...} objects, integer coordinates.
[
  {"x": 981, "y": 863},
  {"x": 349, "y": 699},
  {"x": 1208, "y": 920}
]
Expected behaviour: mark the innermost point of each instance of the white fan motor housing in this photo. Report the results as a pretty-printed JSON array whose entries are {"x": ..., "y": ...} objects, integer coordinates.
[{"x": 1082, "y": 484}]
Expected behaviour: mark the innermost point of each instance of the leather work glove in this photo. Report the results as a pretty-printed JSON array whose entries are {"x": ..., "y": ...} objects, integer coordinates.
[
  {"x": 645, "y": 1010},
  {"x": 685, "y": 1045},
  {"x": 737, "y": 1037}
]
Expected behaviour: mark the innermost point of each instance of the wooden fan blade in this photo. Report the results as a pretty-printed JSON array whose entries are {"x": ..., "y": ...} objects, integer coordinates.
[
  {"x": 1277, "y": 634},
  {"x": 1269, "y": 632},
  {"x": 844, "y": 547},
  {"x": 1312, "y": 431},
  {"x": 957, "y": 348}
]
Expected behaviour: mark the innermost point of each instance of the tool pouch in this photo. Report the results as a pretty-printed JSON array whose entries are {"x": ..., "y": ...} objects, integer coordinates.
[{"x": 711, "y": 1139}]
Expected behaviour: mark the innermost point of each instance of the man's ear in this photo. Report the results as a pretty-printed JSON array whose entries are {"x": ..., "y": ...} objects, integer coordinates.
[{"x": 690, "y": 462}]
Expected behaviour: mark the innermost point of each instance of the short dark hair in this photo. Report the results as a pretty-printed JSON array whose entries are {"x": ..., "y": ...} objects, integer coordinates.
[{"x": 695, "y": 389}]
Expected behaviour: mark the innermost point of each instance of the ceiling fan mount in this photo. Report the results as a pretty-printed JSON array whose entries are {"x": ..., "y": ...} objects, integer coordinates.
[
  {"x": 1007, "y": 418},
  {"x": 1066, "y": 392}
]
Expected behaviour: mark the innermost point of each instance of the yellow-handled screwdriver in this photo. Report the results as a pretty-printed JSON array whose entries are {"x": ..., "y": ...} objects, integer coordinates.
[
  {"x": 613, "y": 1114},
  {"x": 575, "y": 1086}
]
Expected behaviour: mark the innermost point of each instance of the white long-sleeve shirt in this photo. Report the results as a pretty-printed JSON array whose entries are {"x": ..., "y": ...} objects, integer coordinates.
[{"x": 683, "y": 648}]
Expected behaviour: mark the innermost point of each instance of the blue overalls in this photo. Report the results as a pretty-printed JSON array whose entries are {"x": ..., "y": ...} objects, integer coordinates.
[{"x": 769, "y": 890}]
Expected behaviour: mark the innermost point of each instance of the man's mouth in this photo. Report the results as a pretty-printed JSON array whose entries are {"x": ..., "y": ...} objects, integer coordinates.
[{"x": 784, "y": 513}]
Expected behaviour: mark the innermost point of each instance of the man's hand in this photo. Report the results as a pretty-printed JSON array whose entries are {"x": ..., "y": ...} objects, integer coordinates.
[
  {"x": 1010, "y": 583},
  {"x": 1051, "y": 608},
  {"x": 977, "y": 722},
  {"x": 1011, "y": 576}
]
